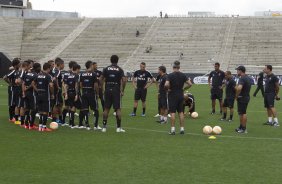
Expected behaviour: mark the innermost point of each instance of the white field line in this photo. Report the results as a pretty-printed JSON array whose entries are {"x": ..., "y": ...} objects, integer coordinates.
[{"x": 195, "y": 134}]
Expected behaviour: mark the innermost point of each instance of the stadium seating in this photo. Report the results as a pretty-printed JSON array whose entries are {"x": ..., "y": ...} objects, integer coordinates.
[{"x": 251, "y": 41}]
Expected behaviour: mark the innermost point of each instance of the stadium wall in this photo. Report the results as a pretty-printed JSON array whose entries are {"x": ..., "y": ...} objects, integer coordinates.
[{"x": 35, "y": 14}]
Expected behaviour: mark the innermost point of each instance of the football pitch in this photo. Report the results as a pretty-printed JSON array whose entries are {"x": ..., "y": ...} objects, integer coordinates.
[{"x": 145, "y": 153}]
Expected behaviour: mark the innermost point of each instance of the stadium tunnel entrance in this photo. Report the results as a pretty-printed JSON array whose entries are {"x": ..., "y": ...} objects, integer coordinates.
[{"x": 5, "y": 63}]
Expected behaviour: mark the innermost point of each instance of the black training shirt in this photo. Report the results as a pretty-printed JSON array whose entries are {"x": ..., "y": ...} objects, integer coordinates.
[
  {"x": 162, "y": 79},
  {"x": 42, "y": 81},
  {"x": 88, "y": 80},
  {"x": 142, "y": 78},
  {"x": 270, "y": 81},
  {"x": 245, "y": 81},
  {"x": 217, "y": 78},
  {"x": 177, "y": 80},
  {"x": 230, "y": 88},
  {"x": 113, "y": 75}
]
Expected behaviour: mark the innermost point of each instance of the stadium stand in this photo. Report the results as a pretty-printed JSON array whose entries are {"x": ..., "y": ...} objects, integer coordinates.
[{"x": 196, "y": 42}]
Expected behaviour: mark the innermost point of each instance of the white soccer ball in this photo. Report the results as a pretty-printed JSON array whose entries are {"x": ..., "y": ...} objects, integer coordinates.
[
  {"x": 54, "y": 125},
  {"x": 207, "y": 130},
  {"x": 217, "y": 130},
  {"x": 114, "y": 114},
  {"x": 194, "y": 115}
]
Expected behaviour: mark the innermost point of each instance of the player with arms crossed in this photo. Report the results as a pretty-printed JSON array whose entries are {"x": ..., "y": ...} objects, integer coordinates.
[
  {"x": 174, "y": 83},
  {"x": 243, "y": 97},
  {"x": 229, "y": 99},
  {"x": 271, "y": 93}
]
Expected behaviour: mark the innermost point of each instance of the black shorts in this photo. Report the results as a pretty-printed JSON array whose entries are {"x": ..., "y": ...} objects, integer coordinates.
[
  {"x": 59, "y": 98},
  {"x": 228, "y": 102},
  {"x": 70, "y": 102},
  {"x": 242, "y": 104},
  {"x": 14, "y": 97},
  {"x": 21, "y": 102},
  {"x": 29, "y": 101},
  {"x": 175, "y": 103},
  {"x": 89, "y": 100},
  {"x": 163, "y": 101},
  {"x": 10, "y": 96},
  {"x": 216, "y": 94},
  {"x": 43, "y": 103},
  {"x": 112, "y": 98},
  {"x": 101, "y": 95},
  {"x": 269, "y": 99},
  {"x": 140, "y": 94}
]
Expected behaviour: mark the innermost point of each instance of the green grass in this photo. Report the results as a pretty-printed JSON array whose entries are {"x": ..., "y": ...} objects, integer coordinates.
[{"x": 145, "y": 153}]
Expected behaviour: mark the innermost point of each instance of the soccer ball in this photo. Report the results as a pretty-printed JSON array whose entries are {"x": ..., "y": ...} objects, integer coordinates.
[
  {"x": 217, "y": 130},
  {"x": 194, "y": 115},
  {"x": 207, "y": 130},
  {"x": 54, "y": 125}
]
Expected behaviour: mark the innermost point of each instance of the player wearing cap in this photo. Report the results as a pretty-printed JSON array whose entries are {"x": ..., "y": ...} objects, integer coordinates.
[
  {"x": 230, "y": 90},
  {"x": 174, "y": 83},
  {"x": 215, "y": 81},
  {"x": 115, "y": 81},
  {"x": 271, "y": 93},
  {"x": 243, "y": 97}
]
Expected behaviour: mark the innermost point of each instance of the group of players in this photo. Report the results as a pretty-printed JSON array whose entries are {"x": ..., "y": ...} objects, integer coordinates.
[
  {"x": 240, "y": 91},
  {"x": 51, "y": 91}
]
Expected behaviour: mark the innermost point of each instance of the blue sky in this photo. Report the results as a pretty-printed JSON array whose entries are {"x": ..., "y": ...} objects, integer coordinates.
[{"x": 132, "y": 8}]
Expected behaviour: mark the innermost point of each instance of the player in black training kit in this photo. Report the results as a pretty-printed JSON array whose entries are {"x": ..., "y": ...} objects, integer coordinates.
[
  {"x": 64, "y": 80},
  {"x": 29, "y": 96},
  {"x": 243, "y": 97},
  {"x": 259, "y": 85},
  {"x": 140, "y": 84},
  {"x": 115, "y": 81},
  {"x": 44, "y": 87},
  {"x": 101, "y": 93},
  {"x": 13, "y": 89},
  {"x": 162, "y": 96},
  {"x": 216, "y": 86},
  {"x": 230, "y": 91},
  {"x": 89, "y": 87},
  {"x": 271, "y": 93},
  {"x": 174, "y": 83},
  {"x": 189, "y": 101},
  {"x": 21, "y": 105},
  {"x": 72, "y": 93},
  {"x": 57, "y": 103}
]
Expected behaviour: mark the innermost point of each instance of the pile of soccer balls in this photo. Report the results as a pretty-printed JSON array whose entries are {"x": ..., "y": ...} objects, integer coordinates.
[{"x": 208, "y": 130}]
